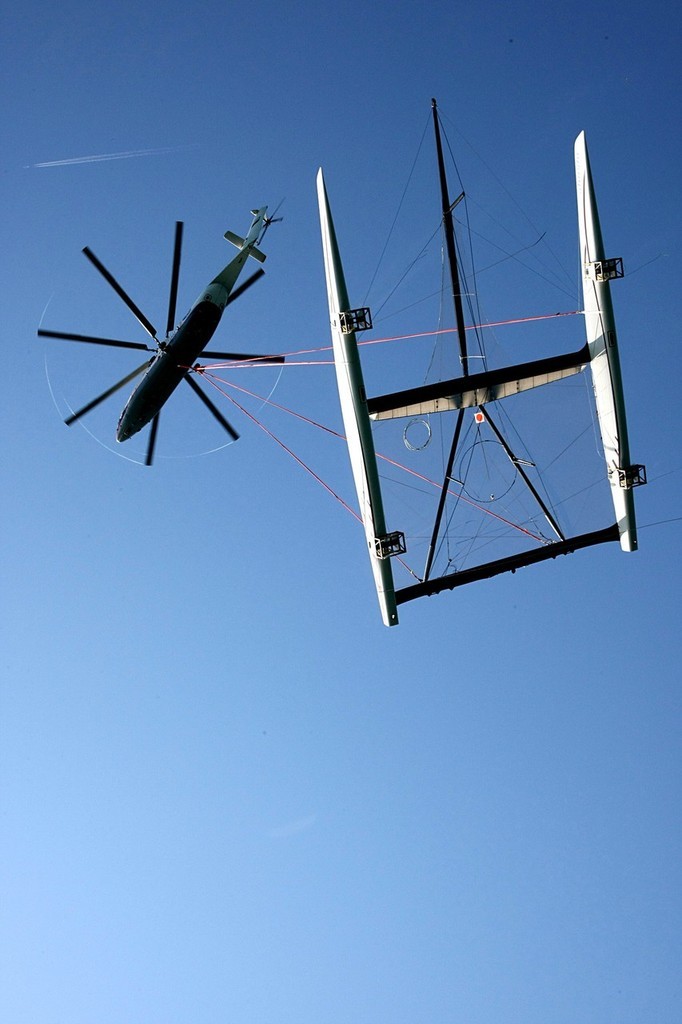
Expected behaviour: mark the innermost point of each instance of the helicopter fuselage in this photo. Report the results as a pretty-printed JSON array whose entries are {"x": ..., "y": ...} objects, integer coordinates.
[
  {"x": 169, "y": 365},
  {"x": 175, "y": 357}
]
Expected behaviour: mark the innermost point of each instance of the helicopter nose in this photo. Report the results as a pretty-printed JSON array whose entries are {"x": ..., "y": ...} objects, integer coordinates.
[
  {"x": 130, "y": 423},
  {"x": 124, "y": 429}
]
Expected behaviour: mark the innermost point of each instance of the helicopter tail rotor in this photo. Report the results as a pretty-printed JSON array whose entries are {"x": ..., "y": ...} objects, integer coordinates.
[{"x": 271, "y": 220}]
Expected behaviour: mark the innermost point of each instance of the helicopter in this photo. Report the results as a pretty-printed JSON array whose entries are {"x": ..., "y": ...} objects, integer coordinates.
[{"x": 174, "y": 357}]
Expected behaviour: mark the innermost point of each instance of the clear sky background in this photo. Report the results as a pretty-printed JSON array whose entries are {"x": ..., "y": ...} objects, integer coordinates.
[{"x": 228, "y": 793}]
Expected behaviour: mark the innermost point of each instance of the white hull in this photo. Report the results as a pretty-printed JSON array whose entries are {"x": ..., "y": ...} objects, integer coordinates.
[
  {"x": 355, "y": 416},
  {"x": 604, "y": 360}
]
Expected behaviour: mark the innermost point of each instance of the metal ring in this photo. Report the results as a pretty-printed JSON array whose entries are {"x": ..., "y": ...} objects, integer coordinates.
[{"x": 413, "y": 447}]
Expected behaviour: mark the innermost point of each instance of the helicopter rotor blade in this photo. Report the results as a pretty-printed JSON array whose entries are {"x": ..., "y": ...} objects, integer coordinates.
[
  {"x": 212, "y": 408},
  {"x": 152, "y": 441},
  {"x": 244, "y": 357},
  {"x": 243, "y": 287},
  {"x": 106, "y": 394},
  {"x": 113, "y": 342},
  {"x": 172, "y": 300},
  {"x": 110, "y": 279}
]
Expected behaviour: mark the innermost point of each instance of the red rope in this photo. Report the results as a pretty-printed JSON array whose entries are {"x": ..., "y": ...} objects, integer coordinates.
[
  {"x": 275, "y": 405},
  {"x": 281, "y": 443},
  {"x": 471, "y": 327},
  {"x": 380, "y": 341},
  {"x": 385, "y": 458}
]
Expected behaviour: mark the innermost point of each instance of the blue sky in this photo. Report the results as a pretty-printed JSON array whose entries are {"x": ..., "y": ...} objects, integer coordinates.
[{"x": 228, "y": 792}]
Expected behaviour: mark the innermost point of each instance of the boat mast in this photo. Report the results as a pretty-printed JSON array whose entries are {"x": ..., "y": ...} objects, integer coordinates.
[
  {"x": 450, "y": 246},
  {"x": 451, "y": 249},
  {"x": 448, "y": 224}
]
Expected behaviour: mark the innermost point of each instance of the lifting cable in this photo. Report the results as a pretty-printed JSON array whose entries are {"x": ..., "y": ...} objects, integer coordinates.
[
  {"x": 290, "y": 361},
  {"x": 214, "y": 381},
  {"x": 329, "y": 430}
]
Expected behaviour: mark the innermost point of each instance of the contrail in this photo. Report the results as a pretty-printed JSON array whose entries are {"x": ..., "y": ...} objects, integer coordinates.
[{"x": 99, "y": 157}]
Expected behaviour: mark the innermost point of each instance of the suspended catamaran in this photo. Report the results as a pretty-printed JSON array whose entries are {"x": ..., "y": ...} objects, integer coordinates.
[{"x": 478, "y": 392}]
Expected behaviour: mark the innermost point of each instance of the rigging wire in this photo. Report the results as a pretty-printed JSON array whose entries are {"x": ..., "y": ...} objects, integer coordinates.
[
  {"x": 397, "y": 214},
  {"x": 507, "y": 192},
  {"x": 409, "y": 267},
  {"x": 546, "y": 274},
  {"x": 511, "y": 426}
]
